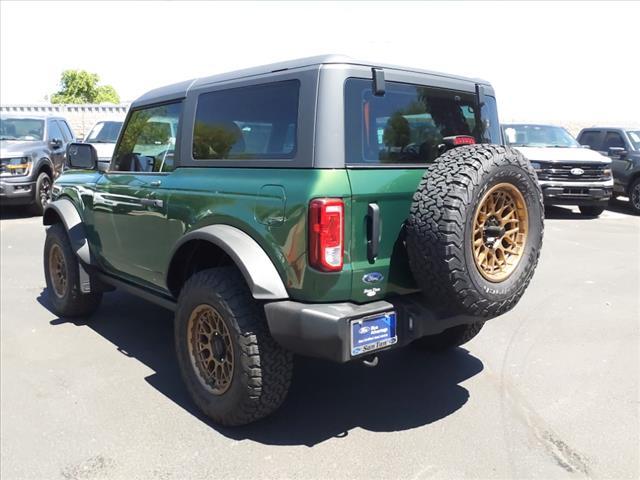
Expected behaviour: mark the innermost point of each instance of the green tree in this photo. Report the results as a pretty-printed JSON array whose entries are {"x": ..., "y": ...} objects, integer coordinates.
[{"x": 80, "y": 86}]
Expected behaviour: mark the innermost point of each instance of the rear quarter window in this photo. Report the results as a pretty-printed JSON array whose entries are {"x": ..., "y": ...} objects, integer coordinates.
[
  {"x": 408, "y": 123},
  {"x": 254, "y": 122}
]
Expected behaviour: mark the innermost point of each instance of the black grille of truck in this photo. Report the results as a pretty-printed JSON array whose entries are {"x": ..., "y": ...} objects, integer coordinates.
[{"x": 574, "y": 172}]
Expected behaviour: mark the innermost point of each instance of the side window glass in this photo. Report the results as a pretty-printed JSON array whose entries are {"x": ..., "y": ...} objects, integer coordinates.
[
  {"x": 66, "y": 131},
  {"x": 149, "y": 140},
  {"x": 591, "y": 138},
  {"x": 613, "y": 139},
  {"x": 255, "y": 122},
  {"x": 65, "y": 136},
  {"x": 54, "y": 131}
]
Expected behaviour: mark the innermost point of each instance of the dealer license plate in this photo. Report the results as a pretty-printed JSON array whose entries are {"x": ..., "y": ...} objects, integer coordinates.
[{"x": 373, "y": 333}]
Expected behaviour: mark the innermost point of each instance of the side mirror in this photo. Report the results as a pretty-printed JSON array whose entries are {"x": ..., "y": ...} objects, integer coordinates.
[
  {"x": 617, "y": 152},
  {"x": 55, "y": 143},
  {"x": 82, "y": 156}
]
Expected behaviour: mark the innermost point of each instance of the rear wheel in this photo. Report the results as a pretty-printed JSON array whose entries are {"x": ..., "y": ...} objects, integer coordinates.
[
  {"x": 233, "y": 369},
  {"x": 475, "y": 230},
  {"x": 591, "y": 210},
  {"x": 450, "y": 338},
  {"x": 62, "y": 276}
]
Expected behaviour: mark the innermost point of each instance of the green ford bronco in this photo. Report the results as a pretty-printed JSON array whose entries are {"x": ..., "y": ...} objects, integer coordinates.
[{"x": 324, "y": 207}]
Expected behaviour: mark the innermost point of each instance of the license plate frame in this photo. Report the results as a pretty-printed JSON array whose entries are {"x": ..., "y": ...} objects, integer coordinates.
[{"x": 375, "y": 337}]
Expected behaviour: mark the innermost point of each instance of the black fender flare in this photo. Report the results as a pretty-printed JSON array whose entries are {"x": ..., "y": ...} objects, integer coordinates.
[
  {"x": 65, "y": 211},
  {"x": 256, "y": 267}
]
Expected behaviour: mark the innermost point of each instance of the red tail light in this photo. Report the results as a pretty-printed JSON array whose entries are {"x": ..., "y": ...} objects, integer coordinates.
[
  {"x": 326, "y": 234},
  {"x": 463, "y": 140}
]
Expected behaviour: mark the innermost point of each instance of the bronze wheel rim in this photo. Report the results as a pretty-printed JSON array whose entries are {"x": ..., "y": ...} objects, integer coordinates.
[
  {"x": 210, "y": 349},
  {"x": 58, "y": 271},
  {"x": 500, "y": 228}
]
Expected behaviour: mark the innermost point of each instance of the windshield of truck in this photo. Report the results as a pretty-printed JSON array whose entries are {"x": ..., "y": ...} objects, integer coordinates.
[
  {"x": 634, "y": 138},
  {"x": 408, "y": 123},
  {"x": 538, "y": 136},
  {"x": 25, "y": 129},
  {"x": 104, "y": 132}
]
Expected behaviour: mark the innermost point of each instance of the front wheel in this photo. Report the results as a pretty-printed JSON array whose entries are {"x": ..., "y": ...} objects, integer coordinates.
[
  {"x": 42, "y": 193},
  {"x": 62, "y": 276},
  {"x": 634, "y": 196},
  {"x": 233, "y": 369},
  {"x": 591, "y": 210}
]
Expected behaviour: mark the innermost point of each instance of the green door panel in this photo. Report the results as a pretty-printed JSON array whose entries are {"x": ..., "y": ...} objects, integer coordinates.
[
  {"x": 392, "y": 190},
  {"x": 135, "y": 236}
]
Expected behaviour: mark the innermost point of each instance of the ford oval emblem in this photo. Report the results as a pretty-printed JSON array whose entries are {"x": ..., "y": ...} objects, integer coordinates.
[
  {"x": 373, "y": 277},
  {"x": 577, "y": 171}
]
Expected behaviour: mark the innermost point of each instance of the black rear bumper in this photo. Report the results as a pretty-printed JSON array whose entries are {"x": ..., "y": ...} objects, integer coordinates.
[{"x": 323, "y": 330}]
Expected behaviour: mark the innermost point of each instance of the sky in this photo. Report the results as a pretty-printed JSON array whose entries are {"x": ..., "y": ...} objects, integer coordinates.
[{"x": 548, "y": 62}]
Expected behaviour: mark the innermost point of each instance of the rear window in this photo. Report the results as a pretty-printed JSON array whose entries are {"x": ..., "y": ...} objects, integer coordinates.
[
  {"x": 408, "y": 123},
  {"x": 256, "y": 122}
]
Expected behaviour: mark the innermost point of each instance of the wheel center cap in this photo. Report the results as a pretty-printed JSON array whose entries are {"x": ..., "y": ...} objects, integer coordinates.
[
  {"x": 492, "y": 232},
  {"x": 218, "y": 347}
]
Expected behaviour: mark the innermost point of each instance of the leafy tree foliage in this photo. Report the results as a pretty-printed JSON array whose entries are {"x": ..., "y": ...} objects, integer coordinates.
[{"x": 80, "y": 86}]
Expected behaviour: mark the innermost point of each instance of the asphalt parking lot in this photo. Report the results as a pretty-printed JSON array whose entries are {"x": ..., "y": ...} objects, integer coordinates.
[{"x": 550, "y": 390}]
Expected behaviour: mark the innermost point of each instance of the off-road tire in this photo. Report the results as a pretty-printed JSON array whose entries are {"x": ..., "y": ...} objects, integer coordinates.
[
  {"x": 70, "y": 301},
  {"x": 451, "y": 338},
  {"x": 43, "y": 181},
  {"x": 634, "y": 196},
  {"x": 262, "y": 369},
  {"x": 591, "y": 210},
  {"x": 440, "y": 227}
]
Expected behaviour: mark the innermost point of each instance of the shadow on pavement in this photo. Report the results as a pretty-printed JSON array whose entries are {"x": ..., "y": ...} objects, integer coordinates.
[
  {"x": 620, "y": 206},
  {"x": 554, "y": 212},
  {"x": 408, "y": 389},
  {"x": 13, "y": 212}
]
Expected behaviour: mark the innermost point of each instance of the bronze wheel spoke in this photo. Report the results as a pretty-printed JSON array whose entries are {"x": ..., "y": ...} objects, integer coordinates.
[
  {"x": 211, "y": 349},
  {"x": 57, "y": 271},
  {"x": 500, "y": 232}
]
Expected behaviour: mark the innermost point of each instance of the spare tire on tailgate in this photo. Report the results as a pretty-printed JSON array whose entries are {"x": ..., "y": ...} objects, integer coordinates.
[{"x": 475, "y": 230}]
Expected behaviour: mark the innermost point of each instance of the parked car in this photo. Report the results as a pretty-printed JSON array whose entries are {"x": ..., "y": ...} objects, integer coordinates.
[
  {"x": 325, "y": 206},
  {"x": 622, "y": 145},
  {"x": 32, "y": 154},
  {"x": 568, "y": 173},
  {"x": 103, "y": 136}
]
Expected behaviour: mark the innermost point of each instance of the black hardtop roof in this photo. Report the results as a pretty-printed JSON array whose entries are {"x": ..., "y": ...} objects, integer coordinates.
[{"x": 179, "y": 90}]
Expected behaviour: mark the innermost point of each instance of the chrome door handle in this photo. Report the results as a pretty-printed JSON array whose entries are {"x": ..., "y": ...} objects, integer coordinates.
[
  {"x": 156, "y": 183},
  {"x": 152, "y": 202}
]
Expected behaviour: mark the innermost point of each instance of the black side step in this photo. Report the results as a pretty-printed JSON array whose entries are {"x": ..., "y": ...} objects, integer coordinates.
[{"x": 141, "y": 292}]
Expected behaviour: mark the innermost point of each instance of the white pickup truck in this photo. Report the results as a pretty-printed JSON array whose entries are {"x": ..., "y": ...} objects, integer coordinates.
[{"x": 569, "y": 174}]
